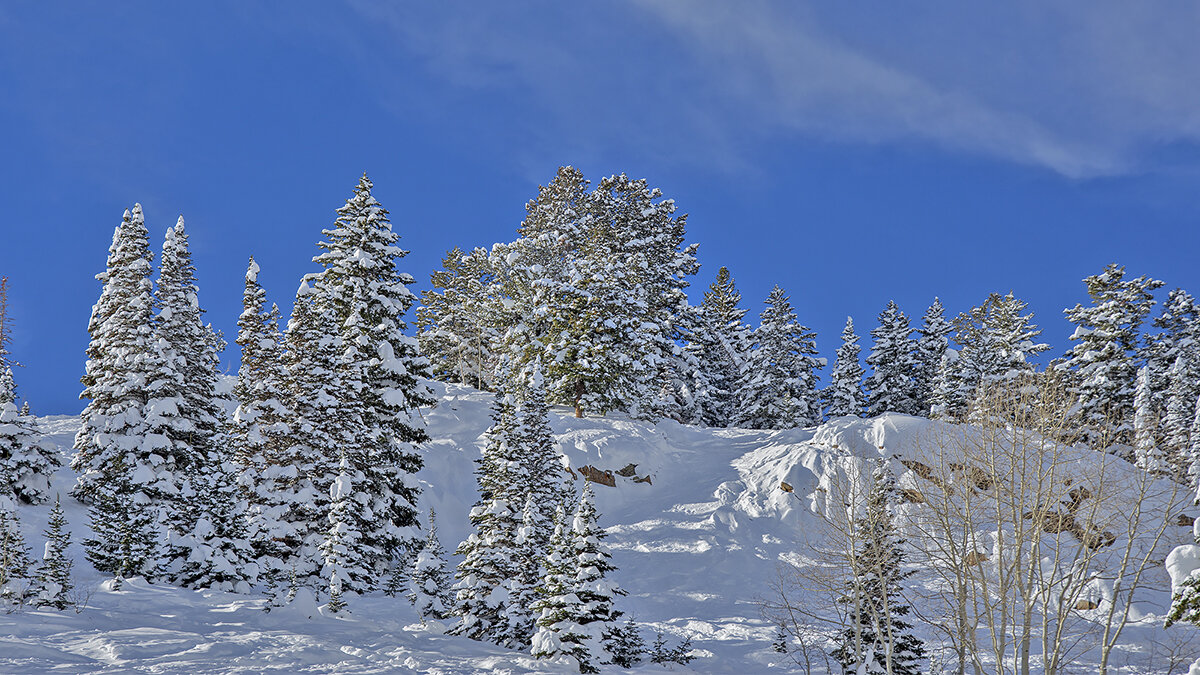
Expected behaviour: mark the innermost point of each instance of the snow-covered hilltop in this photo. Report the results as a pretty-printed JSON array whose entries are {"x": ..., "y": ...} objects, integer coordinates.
[{"x": 699, "y": 521}]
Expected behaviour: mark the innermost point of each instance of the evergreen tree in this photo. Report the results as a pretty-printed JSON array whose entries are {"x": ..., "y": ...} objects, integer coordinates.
[
  {"x": 1177, "y": 423},
  {"x": 844, "y": 395},
  {"x": 455, "y": 323},
  {"x": 1103, "y": 358},
  {"x": 1185, "y": 595},
  {"x": 219, "y": 551},
  {"x": 778, "y": 390},
  {"x": 1178, "y": 323},
  {"x": 346, "y": 568},
  {"x": 931, "y": 347},
  {"x": 560, "y": 636},
  {"x": 1191, "y": 460},
  {"x": 181, "y": 410},
  {"x": 878, "y": 640},
  {"x": 430, "y": 584},
  {"x": 14, "y": 558},
  {"x": 1145, "y": 424},
  {"x": 891, "y": 386},
  {"x": 624, "y": 645},
  {"x": 576, "y": 610},
  {"x": 113, "y": 443},
  {"x": 325, "y": 415},
  {"x": 54, "y": 573},
  {"x": 489, "y": 553},
  {"x": 720, "y": 343},
  {"x": 368, "y": 297},
  {"x": 6, "y": 360},
  {"x": 259, "y": 431},
  {"x": 997, "y": 339},
  {"x": 953, "y": 390},
  {"x": 26, "y": 462}
]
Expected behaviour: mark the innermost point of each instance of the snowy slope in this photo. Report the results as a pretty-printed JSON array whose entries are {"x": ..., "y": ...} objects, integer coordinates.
[{"x": 697, "y": 546}]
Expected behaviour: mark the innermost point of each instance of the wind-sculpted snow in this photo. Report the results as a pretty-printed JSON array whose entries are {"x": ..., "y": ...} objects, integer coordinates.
[{"x": 696, "y": 548}]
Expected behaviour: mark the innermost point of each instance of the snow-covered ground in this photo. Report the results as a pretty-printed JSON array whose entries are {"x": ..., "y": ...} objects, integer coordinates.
[{"x": 697, "y": 547}]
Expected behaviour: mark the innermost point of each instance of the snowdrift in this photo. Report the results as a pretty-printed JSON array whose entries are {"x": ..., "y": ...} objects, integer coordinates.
[{"x": 698, "y": 528}]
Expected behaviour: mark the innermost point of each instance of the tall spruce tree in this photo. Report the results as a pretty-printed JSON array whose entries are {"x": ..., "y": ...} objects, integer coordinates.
[
  {"x": 720, "y": 343},
  {"x": 368, "y": 297},
  {"x": 1178, "y": 335},
  {"x": 844, "y": 395},
  {"x": 1102, "y": 362},
  {"x": 53, "y": 578},
  {"x": 429, "y": 588},
  {"x": 778, "y": 389},
  {"x": 259, "y": 429},
  {"x": 455, "y": 324},
  {"x": 997, "y": 340},
  {"x": 576, "y": 613},
  {"x": 26, "y": 461},
  {"x": 181, "y": 410},
  {"x": 1145, "y": 425},
  {"x": 878, "y": 641},
  {"x": 931, "y": 347},
  {"x": 122, "y": 360},
  {"x": 490, "y": 553},
  {"x": 347, "y": 562},
  {"x": 891, "y": 386}
]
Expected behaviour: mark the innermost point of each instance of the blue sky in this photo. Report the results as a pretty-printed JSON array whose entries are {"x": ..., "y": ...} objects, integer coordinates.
[{"x": 851, "y": 154}]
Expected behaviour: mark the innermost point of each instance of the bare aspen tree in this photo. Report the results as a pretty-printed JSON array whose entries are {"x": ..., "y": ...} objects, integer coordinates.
[{"x": 1032, "y": 541}]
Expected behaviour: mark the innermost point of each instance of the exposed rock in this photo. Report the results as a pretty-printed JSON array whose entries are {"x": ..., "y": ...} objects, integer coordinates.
[
  {"x": 1086, "y": 604},
  {"x": 1185, "y": 520},
  {"x": 643, "y": 479},
  {"x": 598, "y": 475},
  {"x": 629, "y": 471},
  {"x": 912, "y": 496},
  {"x": 785, "y": 486}
]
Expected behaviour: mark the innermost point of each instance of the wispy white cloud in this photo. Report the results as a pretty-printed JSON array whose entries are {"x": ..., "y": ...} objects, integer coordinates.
[{"x": 1085, "y": 91}]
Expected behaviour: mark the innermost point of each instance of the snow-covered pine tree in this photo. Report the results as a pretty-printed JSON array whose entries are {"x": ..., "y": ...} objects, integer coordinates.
[
  {"x": 844, "y": 395},
  {"x": 346, "y": 567},
  {"x": 26, "y": 462},
  {"x": 891, "y": 386},
  {"x": 455, "y": 325},
  {"x": 121, "y": 361},
  {"x": 650, "y": 240},
  {"x": 952, "y": 389},
  {"x": 1175, "y": 434},
  {"x": 624, "y": 644},
  {"x": 1179, "y": 325},
  {"x": 219, "y": 551},
  {"x": 560, "y": 636},
  {"x": 429, "y": 588},
  {"x": 540, "y": 476},
  {"x": 1185, "y": 591},
  {"x": 720, "y": 343},
  {"x": 778, "y": 389},
  {"x": 53, "y": 587},
  {"x": 259, "y": 432},
  {"x": 14, "y": 557},
  {"x": 6, "y": 360},
  {"x": 293, "y": 498},
  {"x": 1103, "y": 358},
  {"x": 368, "y": 297},
  {"x": 489, "y": 555},
  {"x": 931, "y": 347},
  {"x": 997, "y": 340},
  {"x": 1192, "y": 458},
  {"x": 181, "y": 411},
  {"x": 1145, "y": 424},
  {"x": 879, "y": 640}
]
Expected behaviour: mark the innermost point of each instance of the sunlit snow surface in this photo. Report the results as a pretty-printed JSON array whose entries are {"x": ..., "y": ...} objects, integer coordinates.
[{"x": 696, "y": 549}]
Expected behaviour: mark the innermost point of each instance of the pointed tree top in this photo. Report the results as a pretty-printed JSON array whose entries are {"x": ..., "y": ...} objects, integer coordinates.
[{"x": 252, "y": 271}]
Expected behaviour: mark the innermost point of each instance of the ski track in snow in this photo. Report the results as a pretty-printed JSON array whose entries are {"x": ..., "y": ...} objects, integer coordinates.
[{"x": 695, "y": 551}]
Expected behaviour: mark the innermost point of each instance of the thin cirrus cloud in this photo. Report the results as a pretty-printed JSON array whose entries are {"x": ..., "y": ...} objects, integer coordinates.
[{"x": 1084, "y": 91}]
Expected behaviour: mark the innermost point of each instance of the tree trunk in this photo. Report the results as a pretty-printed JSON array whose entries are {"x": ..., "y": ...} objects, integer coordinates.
[{"x": 579, "y": 392}]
